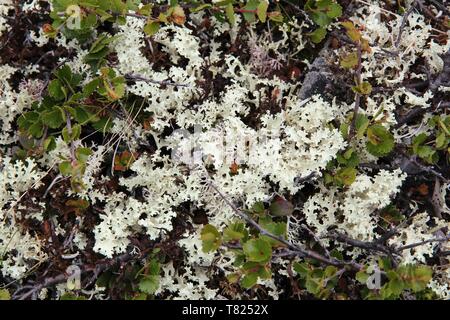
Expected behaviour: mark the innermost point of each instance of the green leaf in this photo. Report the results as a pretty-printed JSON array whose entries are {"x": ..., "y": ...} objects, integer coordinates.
[
  {"x": 275, "y": 16},
  {"x": 361, "y": 124},
  {"x": 348, "y": 153},
  {"x": 420, "y": 139},
  {"x": 154, "y": 267},
  {"x": 36, "y": 129},
  {"x": 415, "y": 277},
  {"x": 391, "y": 214},
  {"x": 302, "y": 269},
  {"x": 75, "y": 134},
  {"x": 54, "y": 118},
  {"x": 313, "y": 285},
  {"x": 346, "y": 176},
  {"x": 239, "y": 259},
  {"x": 264, "y": 272},
  {"x": 201, "y": 7},
  {"x": 103, "y": 15},
  {"x": 318, "y": 35},
  {"x": 349, "y": 61},
  {"x": 65, "y": 76},
  {"x": 441, "y": 141},
  {"x": 258, "y": 207},
  {"x": 71, "y": 296},
  {"x": 249, "y": 280},
  {"x": 421, "y": 276},
  {"x": 381, "y": 141},
  {"x": 276, "y": 228},
  {"x": 330, "y": 271},
  {"x": 211, "y": 238},
  {"x": 364, "y": 88},
  {"x": 362, "y": 276},
  {"x": 257, "y": 250},
  {"x": 337, "y": 254},
  {"x": 321, "y": 18},
  {"x": 103, "y": 125},
  {"x": 82, "y": 154},
  {"x": 251, "y": 5},
  {"x": 102, "y": 41},
  {"x": 352, "y": 32},
  {"x": 119, "y": 84},
  {"x": 4, "y": 294},
  {"x": 98, "y": 44},
  {"x": 233, "y": 277},
  {"x": 223, "y": 3},
  {"x": 149, "y": 284},
  {"x": 229, "y": 12},
  {"x": 334, "y": 10},
  {"x": 261, "y": 11},
  {"x": 65, "y": 168},
  {"x": 425, "y": 152},
  {"x": 384, "y": 263},
  {"x": 235, "y": 232},
  {"x": 56, "y": 90},
  {"x": 82, "y": 115},
  {"x": 27, "y": 119},
  {"x": 344, "y": 130},
  {"x": 91, "y": 87},
  {"x": 396, "y": 284},
  {"x": 152, "y": 28},
  {"x": 49, "y": 144}
]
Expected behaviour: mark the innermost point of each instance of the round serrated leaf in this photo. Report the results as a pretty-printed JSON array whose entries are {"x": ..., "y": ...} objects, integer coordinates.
[
  {"x": 346, "y": 176},
  {"x": 151, "y": 28},
  {"x": 36, "y": 129},
  {"x": 249, "y": 280},
  {"x": 229, "y": 12},
  {"x": 54, "y": 118},
  {"x": 56, "y": 90},
  {"x": 257, "y": 250},
  {"x": 320, "y": 18},
  {"x": 261, "y": 11},
  {"x": 149, "y": 284},
  {"x": 318, "y": 35},
  {"x": 349, "y": 61},
  {"x": 211, "y": 238},
  {"x": 65, "y": 168},
  {"x": 4, "y": 294},
  {"x": 334, "y": 10},
  {"x": 49, "y": 144},
  {"x": 381, "y": 141},
  {"x": 82, "y": 154}
]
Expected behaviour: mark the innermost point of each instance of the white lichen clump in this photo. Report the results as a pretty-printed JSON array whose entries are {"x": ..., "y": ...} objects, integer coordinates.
[{"x": 269, "y": 154}]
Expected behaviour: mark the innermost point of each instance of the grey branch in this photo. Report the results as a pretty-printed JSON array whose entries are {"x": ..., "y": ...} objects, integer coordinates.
[
  {"x": 136, "y": 77},
  {"x": 296, "y": 250}
]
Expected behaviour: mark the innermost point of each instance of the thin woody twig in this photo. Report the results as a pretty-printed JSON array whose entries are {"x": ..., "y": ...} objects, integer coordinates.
[
  {"x": 295, "y": 249},
  {"x": 311, "y": 233},
  {"x": 417, "y": 244},
  {"x": 371, "y": 246},
  {"x": 403, "y": 24},
  {"x": 47, "y": 282},
  {"x": 136, "y": 77},
  {"x": 357, "y": 96}
]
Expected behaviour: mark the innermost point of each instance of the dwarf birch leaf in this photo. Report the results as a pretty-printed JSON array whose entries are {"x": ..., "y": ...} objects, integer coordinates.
[
  {"x": 257, "y": 250},
  {"x": 381, "y": 141}
]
